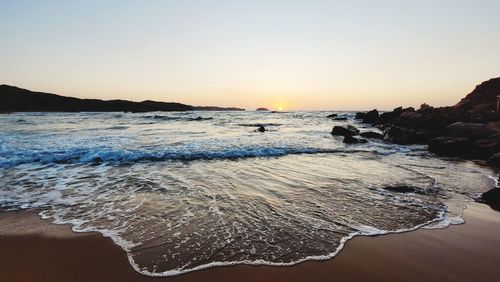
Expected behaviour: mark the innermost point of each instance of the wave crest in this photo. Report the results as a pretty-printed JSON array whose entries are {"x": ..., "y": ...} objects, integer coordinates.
[{"x": 97, "y": 156}]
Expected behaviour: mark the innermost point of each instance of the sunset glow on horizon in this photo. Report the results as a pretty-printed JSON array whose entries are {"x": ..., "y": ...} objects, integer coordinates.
[{"x": 282, "y": 55}]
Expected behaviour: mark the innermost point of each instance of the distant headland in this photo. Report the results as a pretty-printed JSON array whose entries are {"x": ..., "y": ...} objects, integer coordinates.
[{"x": 15, "y": 99}]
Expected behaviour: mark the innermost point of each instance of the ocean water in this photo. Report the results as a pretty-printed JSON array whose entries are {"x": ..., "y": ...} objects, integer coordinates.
[{"x": 188, "y": 190}]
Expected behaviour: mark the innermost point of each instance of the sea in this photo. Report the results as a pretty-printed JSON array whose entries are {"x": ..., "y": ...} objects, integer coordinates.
[{"x": 183, "y": 191}]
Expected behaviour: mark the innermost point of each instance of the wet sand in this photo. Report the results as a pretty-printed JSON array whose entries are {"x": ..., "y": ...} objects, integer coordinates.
[{"x": 36, "y": 250}]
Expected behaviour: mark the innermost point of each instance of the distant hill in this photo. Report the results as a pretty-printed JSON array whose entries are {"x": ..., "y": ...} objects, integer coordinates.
[{"x": 15, "y": 99}]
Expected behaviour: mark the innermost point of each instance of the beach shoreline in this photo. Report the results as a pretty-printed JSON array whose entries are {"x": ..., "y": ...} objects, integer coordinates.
[{"x": 35, "y": 249}]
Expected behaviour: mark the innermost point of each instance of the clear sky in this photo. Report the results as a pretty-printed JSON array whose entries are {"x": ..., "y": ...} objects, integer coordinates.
[{"x": 309, "y": 54}]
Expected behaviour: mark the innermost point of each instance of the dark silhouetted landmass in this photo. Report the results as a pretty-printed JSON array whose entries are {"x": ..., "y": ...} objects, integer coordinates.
[
  {"x": 262, "y": 109},
  {"x": 14, "y": 99},
  {"x": 215, "y": 108}
]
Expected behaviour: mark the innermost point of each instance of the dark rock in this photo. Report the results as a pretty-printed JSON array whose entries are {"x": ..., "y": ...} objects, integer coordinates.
[
  {"x": 425, "y": 107},
  {"x": 343, "y": 131},
  {"x": 390, "y": 118},
  {"x": 192, "y": 119},
  {"x": 494, "y": 159},
  {"x": 411, "y": 115},
  {"x": 402, "y": 189},
  {"x": 482, "y": 98},
  {"x": 494, "y": 127},
  {"x": 492, "y": 198},
  {"x": 360, "y": 115},
  {"x": 261, "y": 128},
  {"x": 371, "y": 117},
  {"x": 353, "y": 129},
  {"x": 331, "y": 116},
  {"x": 465, "y": 147},
  {"x": 340, "y": 118},
  {"x": 348, "y": 139},
  {"x": 403, "y": 136},
  {"x": 470, "y": 130},
  {"x": 262, "y": 109},
  {"x": 372, "y": 135}
]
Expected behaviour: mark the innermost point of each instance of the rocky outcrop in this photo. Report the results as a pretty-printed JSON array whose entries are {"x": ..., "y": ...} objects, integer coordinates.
[
  {"x": 389, "y": 116},
  {"x": 482, "y": 102},
  {"x": 469, "y": 129},
  {"x": 492, "y": 198},
  {"x": 262, "y": 109},
  {"x": 465, "y": 147},
  {"x": 371, "y": 117},
  {"x": 261, "y": 128},
  {"x": 331, "y": 116}
]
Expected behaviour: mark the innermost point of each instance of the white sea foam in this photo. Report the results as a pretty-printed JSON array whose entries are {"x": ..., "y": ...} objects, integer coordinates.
[{"x": 181, "y": 194}]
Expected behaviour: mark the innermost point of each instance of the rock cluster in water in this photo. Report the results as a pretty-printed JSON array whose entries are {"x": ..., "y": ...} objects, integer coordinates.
[
  {"x": 349, "y": 131},
  {"x": 469, "y": 129}
]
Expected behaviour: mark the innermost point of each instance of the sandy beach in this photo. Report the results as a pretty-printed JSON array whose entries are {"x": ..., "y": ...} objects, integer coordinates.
[{"x": 37, "y": 250}]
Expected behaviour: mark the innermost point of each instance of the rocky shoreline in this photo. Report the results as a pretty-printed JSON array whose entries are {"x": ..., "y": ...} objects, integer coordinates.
[{"x": 468, "y": 130}]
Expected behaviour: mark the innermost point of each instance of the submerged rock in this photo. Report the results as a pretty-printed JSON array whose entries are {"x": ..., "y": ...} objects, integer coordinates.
[
  {"x": 331, "y": 116},
  {"x": 340, "y": 118},
  {"x": 372, "y": 135},
  {"x": 492, "y": 198},
  {"x": 353, "y": 129},
  {"x": 402, "y": 189},
  {"x": 349, "y": 139},
  {"x": 261, "y": 128}
]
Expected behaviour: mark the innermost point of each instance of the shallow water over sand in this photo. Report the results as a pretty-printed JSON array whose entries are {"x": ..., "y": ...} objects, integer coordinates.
[{"x": 180, "y": 192}]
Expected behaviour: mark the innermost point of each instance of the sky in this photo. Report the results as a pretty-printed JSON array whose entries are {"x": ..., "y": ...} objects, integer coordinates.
[{"x": 297, "y": 55}]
